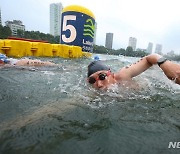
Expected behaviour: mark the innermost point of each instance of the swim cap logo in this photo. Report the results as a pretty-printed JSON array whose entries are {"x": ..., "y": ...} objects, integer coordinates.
[{"x": 89, "y": 28}]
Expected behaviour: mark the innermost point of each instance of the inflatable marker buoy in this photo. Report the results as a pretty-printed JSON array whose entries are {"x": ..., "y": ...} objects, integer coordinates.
[{"x": 78, "y": 27}]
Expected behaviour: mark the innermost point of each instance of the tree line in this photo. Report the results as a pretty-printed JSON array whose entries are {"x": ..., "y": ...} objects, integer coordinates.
[
  {"x": 125, "y": 52},
  {"x": 36, "y": 35},
  {"x": 129, "y": 52},
  {"x": 5, "y": 32},
  {"x": 173, "y": 57}
]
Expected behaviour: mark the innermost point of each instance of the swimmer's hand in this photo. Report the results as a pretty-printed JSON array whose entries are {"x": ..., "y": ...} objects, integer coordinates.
[
  {"x": 172, "y": 71},
  {"x": 177, "y": 78}
]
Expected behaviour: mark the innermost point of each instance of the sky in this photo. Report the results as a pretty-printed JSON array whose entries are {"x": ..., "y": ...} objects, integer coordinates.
[{"x": 156, "y": 21}]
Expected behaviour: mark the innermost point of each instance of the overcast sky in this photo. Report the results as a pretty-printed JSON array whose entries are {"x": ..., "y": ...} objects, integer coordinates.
[{"x": 156, "y": 21}]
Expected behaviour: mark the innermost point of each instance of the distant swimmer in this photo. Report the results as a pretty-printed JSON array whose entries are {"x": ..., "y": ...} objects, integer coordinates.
[
  {"x": 100, "y": 76},
  {"x": 4, "y": 60}
]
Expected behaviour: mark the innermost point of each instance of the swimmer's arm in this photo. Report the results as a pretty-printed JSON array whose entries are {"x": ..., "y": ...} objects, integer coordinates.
[
  {"x": 170, "y": 69},
  {"x": 137, "y": 68},
  {"x": 29, "y": 62}
]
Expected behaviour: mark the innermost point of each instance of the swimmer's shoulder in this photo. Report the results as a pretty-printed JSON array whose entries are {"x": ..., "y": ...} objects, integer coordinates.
[{"x": 122, "y": 75}]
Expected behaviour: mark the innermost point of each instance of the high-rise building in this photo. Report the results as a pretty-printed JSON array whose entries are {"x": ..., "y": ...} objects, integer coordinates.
[
  {"x": 109, "y": 40},
  {"x": 55, "y": 18},
  {"x": 149, "y": 48},
  {"x": 0, "y": 17},
  {"x": 14, "y": 26},
  {"x": 158, "y": 49},
  {"x": 132, "y": 43}
]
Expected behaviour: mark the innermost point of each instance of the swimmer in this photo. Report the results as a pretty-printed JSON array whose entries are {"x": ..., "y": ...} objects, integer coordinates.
[
  {"x": 23, "y": 62},
  {"x": 101, "y": 77}
]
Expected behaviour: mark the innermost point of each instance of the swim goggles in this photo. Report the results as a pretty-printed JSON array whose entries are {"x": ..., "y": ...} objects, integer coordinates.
[{"x": 101, "y": 76}]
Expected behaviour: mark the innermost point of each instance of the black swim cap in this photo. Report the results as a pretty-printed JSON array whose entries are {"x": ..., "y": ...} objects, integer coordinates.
[{"x": 96, "y": 66}]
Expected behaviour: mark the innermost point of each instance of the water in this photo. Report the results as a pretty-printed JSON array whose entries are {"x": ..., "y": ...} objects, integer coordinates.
[{"x": 53, "y": 110}]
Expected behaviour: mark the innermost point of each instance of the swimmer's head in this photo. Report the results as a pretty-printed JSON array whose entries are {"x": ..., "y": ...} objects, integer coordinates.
[
  {"x": 96, "y": 66},
  {"x": 3, "y": 58},
  {"x": 100, "y": 75},
  {"x": 96, "y": 58}
]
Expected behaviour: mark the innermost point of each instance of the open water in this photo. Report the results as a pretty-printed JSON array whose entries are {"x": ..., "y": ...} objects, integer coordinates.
[{"x": 52, "y": 110}]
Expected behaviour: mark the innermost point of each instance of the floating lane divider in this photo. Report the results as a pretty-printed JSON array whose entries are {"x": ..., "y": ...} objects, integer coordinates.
[{"x": 18, "y": 47}]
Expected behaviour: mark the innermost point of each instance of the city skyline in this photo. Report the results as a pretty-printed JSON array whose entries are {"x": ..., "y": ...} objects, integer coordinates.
[
  {"x": 55, "y": 25},
  {"x": 158, "y": 26}
]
